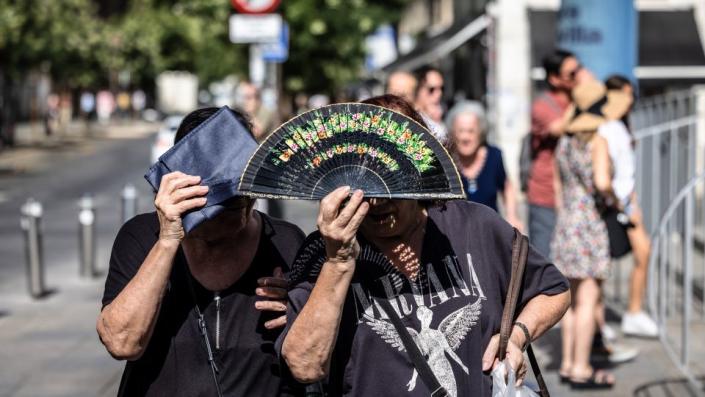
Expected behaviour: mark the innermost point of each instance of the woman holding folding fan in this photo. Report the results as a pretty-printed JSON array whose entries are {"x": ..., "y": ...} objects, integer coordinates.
[{"x": 440, "y": 269}]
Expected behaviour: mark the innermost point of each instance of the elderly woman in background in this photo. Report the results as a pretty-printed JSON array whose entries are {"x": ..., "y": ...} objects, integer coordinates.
[{"x": 481, "y": 165}]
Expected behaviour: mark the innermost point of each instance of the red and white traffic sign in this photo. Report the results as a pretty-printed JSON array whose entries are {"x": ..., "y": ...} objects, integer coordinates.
[{"x": 255, "y": 6}]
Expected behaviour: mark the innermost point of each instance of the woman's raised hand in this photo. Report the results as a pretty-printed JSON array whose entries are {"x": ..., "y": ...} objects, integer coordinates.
[
  {"x": 338, "y": 226},
  {"x": 177, "y": 194}
]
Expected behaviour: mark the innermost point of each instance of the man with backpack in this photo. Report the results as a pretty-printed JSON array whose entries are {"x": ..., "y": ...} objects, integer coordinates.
[{"x": 547, "y": 125}]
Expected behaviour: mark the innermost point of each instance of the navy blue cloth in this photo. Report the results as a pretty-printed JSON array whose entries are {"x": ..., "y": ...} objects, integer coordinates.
[
  {"x": 218, "y": 151},
  {"x": 490, "y": 180}
]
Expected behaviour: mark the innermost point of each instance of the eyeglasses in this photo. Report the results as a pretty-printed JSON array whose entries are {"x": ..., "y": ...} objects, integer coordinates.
[
  {"x": 573, "y": 73},
  {"x": 432, "y": 89}
]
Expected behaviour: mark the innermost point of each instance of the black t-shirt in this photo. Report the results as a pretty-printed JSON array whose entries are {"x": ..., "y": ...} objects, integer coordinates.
[
  {"x": 175, "y": 362},
  {"x": 459, "y": 294}
]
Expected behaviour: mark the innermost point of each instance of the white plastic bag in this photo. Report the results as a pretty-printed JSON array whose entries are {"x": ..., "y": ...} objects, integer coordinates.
[{"x": 507, "y": 388}]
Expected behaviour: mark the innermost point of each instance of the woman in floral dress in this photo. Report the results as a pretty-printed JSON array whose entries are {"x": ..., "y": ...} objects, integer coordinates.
[{"x": 580, "y": 245}]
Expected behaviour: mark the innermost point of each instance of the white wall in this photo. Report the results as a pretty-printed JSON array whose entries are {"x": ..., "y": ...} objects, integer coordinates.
[{"x": 513, "y": 83}]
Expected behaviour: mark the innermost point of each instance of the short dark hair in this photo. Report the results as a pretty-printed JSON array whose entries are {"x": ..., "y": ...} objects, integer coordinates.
[
  {"x": 552, "y": 62},
  {"x": 617, "y": 82},
  {"x": 422, "y": 75},
  {"x": 195, "y": 118}
]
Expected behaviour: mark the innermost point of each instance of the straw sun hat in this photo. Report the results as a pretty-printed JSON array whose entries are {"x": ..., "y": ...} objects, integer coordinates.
[{"x": 593, "y": 105}]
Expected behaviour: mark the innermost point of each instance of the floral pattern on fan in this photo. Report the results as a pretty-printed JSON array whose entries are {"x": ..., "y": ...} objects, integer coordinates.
[
  {"x": 359, "y": 148},
  {"x": 299, "y": 138},
  {"x": 367, "y": 147}
]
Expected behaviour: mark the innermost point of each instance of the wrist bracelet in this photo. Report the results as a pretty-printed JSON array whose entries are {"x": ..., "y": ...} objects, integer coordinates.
[{"x": 527, "y": 336}]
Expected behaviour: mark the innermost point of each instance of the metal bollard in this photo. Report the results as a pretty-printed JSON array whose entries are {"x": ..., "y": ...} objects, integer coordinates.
[
  {"x": 31, "y": 226},
  {"x": 129, "y": 202},
  {"x": 86, "y": 236}
]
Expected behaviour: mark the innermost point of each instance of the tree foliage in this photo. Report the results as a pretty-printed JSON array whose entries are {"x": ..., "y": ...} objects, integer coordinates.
[
  {"x": 58, "y": 37},
  {"x": 327, "y": 39},
  {"x": 78, "y": 48}
]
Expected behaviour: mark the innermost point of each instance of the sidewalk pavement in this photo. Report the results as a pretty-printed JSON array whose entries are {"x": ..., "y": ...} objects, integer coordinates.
[
  {"x": 33, "y": 150},
  {"x": 50, "y": 346}
]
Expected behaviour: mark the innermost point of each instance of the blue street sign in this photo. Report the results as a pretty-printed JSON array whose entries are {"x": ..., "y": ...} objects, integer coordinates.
[
  {"x": 278, "y": 51},
  {"x": 603, "y": 34}
]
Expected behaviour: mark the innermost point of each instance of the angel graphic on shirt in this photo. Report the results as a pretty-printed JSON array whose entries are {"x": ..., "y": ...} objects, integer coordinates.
[{"x": 434, "y": 344}]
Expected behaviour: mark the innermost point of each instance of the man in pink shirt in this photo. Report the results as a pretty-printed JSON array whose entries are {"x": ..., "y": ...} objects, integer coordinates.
[{"x": 547, "y": 125}]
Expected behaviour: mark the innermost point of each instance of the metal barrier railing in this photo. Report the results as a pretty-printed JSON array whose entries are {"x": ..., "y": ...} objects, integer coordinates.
[
  {"x": 668, "y": 131},
  {"x": 665, "y": 143},
  {"x": 676, "y": 285},
  {"x": 665, "y": 140}
]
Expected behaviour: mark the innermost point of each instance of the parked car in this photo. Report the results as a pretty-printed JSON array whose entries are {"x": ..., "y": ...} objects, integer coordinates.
[{"x": 165, "y": 137}]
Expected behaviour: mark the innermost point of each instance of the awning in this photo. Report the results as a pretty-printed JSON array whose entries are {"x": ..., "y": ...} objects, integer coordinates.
[
  {"x": 670, "y": 45},
  {"x": 440, "y": 45}
]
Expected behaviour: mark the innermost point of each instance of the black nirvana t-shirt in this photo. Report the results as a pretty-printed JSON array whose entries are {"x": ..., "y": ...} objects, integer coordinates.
[
  {"x": 452, "y": 309},
  {"x": 175, "y": 362}
]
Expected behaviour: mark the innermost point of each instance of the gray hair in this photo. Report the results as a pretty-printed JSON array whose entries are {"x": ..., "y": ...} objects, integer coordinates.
[{"x": 467, "y": 107}]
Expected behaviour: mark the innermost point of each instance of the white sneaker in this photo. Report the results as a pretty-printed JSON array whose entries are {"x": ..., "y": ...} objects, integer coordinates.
[
  {"x": 619, "y": 353},
  {"x": 639, "y": 324},
  {"x": 614, "y": 353},
  {"x": 608, "y": 334}
]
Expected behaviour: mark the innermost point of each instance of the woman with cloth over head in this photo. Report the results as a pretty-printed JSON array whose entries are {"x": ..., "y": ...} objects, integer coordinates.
[
  {"x": 443, "y": 269},
  {"x": 195, "y": 305},
  {"x": 580, "y": 246}
]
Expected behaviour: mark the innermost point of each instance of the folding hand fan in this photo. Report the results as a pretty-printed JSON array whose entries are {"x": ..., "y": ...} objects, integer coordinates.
[{"x": 367, "y": 147}]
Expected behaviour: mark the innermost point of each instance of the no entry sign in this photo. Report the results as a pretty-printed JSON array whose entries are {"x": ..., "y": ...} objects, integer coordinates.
[{"x": 255, "y": 6}]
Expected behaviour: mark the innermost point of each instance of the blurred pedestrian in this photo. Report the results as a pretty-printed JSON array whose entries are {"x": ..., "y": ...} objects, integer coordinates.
[
  {"x": 480, "y": 164},
  {"x": 547, "y": 126},
  {"x": 65, "y": 111},
  {"x": 403, "y": 84},
  {"x": 249, "y": 99},
  {"x": 123, "y": 104},
  {"x": 139, "y": 102},
  {"x": 198, "y": 312},
  {"x": 87, "y": 104},
  {"x": 105, "y": 105},
  {"x": 418, "y": 257},
  {"x": 621, "y": 147},
  {"x": 51, "y": 117},
  {"x": 580, "y": 246},
  {"x": 429, "y": 93},
  {"x": 300, "y": 102}
]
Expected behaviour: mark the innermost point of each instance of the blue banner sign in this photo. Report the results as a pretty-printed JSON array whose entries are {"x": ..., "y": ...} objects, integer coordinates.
[{"x": 602, "y": 33}]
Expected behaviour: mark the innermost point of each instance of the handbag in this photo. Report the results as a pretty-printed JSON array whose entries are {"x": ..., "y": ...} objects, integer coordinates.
[
  {"x": 520, "y": 252},
  {"x": 617, "y": 224}
]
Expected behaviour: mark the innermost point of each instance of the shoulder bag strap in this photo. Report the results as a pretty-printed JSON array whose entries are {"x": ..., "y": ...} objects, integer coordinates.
[
  {"x": 520, "y": 252},
  {"x": 421, "y": 365}
]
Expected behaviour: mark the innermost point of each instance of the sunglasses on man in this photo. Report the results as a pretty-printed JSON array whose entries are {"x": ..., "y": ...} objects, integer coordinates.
[
  {"x": 432, "y": 89},
  {"x": 573, "y": 73}
]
